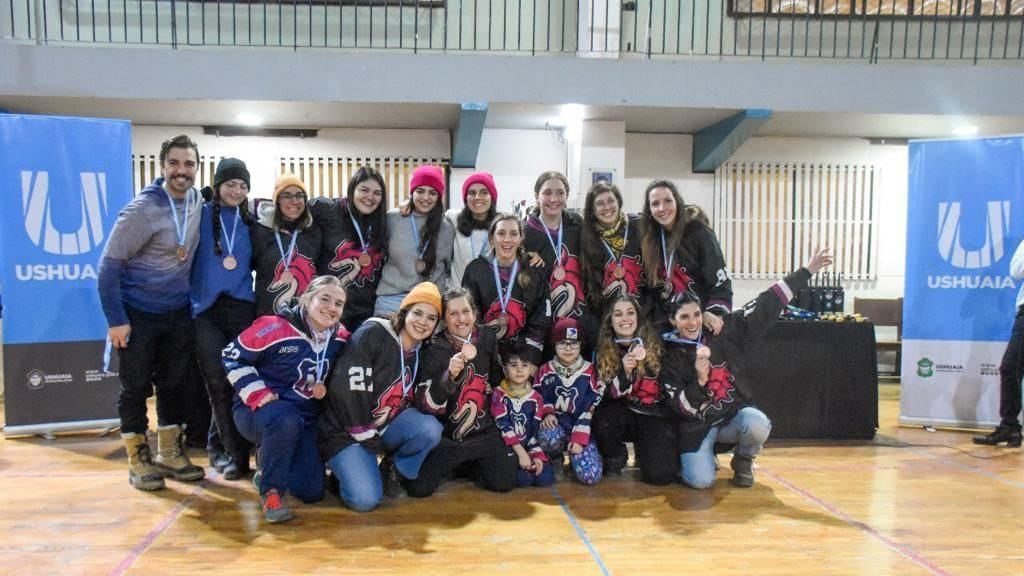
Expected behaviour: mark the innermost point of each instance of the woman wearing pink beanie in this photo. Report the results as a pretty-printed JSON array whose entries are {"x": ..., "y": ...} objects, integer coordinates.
[
  {"x": 419, "y": 241},
  {"x": 480, "y": 199}
]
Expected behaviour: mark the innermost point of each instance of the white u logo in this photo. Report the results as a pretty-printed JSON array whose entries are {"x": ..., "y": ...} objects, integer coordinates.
[
  {"x": 996, "y": 229},
  {"x": 38, "y": 211}
]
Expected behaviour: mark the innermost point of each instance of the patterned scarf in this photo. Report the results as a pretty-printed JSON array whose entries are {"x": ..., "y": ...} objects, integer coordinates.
[
  {"x": 614, "y": 237},
  {"x": 567, "y": 371}
]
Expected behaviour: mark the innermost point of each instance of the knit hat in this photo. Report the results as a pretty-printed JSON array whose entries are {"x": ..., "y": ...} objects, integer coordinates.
[
  {"x": 285, "y": 180},
  {"x": 425, "y": 293},
  {"x": 230, "y": 169},
  {"x": 484, "y": 178},
  {"x": 427, "y": 176},
  {"x": 565, "y": 329}
]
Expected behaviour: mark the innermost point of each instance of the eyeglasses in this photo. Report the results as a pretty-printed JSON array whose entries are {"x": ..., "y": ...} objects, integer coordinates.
[
  {"x": 567, "y": 344},
  {"x": 286, "y": 196}
]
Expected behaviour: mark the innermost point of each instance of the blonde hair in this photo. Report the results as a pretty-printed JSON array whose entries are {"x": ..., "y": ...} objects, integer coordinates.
[{"x": 316, "y": 286}]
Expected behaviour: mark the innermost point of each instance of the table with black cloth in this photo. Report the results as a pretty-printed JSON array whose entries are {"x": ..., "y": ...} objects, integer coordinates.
[{"x": 817, "y": 380}]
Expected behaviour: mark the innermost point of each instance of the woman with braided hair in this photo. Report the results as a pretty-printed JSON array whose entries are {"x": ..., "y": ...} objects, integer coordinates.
[{"x": 223, "y": 304}]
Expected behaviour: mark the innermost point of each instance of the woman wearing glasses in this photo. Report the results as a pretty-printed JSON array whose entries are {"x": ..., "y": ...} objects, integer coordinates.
[{"x": 285, "y": 247}]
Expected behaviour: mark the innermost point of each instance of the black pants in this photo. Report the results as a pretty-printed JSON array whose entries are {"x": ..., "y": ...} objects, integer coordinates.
[
  {"x": 653, "y": 437},
  {"x": 215, "y": 328},
  {"x": 158, "y": 355},
  {"x": 483, "y": 457},
  {"x": 1011, "y": 371}
]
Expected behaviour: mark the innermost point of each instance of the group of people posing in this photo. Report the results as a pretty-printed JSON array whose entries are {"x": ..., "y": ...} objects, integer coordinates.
[{"x": 399, "y": 348}]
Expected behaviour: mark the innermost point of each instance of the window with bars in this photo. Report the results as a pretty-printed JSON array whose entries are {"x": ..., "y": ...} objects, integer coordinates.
[
  {"x": 878, "y": 8},
  {"x": 329, "y": 176},
  {"x": 770, "y": 216}
]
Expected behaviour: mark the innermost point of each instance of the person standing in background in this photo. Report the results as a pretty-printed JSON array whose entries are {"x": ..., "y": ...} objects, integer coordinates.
[
  {"x": 355, "y": 236},
  {"x": 223, "y": 304},
  {"x": 1011, "y": 371},
  {"x": 479, "y": 196},
  {"x": 285, "y": 247},
  {"x": 419, "y": 242},
  {"x": 144, "y": 289}
]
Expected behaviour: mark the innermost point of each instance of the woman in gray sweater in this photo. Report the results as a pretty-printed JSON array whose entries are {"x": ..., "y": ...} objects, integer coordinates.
[{"x": 419, "y": 241}]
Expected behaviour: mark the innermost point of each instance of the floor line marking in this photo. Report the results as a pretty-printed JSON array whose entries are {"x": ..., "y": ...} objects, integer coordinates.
[
  {"x": 580, "y": 531},
  {"x": 902, "y": 550},
  {"x": 155, "y": 533}
]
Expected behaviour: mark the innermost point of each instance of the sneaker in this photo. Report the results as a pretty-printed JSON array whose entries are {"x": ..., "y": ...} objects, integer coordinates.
[
  {"x": 1003, "y": 433},
  {"x": 743, "y": 471},
  {"x": 274, "y": 509},
  {"x": 256, "y": 478},
  {"x": 389, "y": 479}
]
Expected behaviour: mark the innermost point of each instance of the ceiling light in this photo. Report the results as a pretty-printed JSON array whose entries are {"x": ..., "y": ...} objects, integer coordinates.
[
  {"x": 966, "y": 130},
  {"x": 250, "y": 119}
]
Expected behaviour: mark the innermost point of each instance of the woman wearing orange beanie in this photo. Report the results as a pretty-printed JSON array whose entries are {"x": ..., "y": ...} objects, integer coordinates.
[
  {"x": 285, "y": 247},
  {"x": 369, "y": 405}
]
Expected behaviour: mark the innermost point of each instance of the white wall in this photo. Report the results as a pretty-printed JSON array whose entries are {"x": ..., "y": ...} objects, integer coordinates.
[
  {"x": 664, "y": 156},
  {"x": 515, "y": 158}
]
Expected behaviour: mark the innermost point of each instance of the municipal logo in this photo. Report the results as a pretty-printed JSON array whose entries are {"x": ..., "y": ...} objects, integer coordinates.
[
  {"x": 924, "y": 368},
  {"x": 36, "y": 379},
  {"x": 38, "y": 209}
]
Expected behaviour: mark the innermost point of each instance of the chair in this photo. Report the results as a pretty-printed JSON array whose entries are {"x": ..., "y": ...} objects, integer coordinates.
[{"x": 886, "y": 313}]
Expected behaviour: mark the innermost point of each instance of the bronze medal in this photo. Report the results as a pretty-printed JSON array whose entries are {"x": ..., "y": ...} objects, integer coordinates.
[
  {"x": 182, "y": 253},
  {"x": 559, "y": 273},
  {"x": 639, "y": 352},
  {"x": 468, "y": 352},
  {"x": 229, "y": 262},
  {"x": 364, "y": 260},
  {"x": 421, "y": 266},
  {"x": 503, "y": 321},
  {"x": 286, "y": 276},
  {"x": 619, "y": 272}
]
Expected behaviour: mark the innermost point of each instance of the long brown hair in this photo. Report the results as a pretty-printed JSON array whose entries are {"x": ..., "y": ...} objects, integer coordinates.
[
  {"x": 608, "y": 358},
  {"x": 592, "y": 254},
  {"x": 651, "y": 243}
]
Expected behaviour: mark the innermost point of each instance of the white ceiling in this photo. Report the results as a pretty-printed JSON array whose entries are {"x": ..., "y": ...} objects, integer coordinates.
[{"x": 516, "y": 116}]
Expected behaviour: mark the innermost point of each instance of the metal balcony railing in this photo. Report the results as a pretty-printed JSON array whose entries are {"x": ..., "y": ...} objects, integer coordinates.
[{"x": 870, "y": 30}]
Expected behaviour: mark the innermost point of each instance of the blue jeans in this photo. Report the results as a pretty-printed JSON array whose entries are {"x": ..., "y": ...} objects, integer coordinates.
[
  {"x": 388, "y": 304},
  {"x": 409, "y": 438},
  {"x": 545, "y": 478},
  {"x": 748, "y": 430},
  {"x": 289, "y": 459}
]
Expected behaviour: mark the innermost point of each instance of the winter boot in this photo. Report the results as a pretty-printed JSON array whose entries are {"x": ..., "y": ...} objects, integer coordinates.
[
  {"x": 743, "y": 471},
  {"x": 171, "y": 457},
  {"x": 142, "y": 473}
]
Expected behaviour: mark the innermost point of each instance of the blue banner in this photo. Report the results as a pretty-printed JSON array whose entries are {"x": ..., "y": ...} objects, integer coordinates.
[
  {"x": 64, "y": 182},
  {"x": 965, "y": 219}
]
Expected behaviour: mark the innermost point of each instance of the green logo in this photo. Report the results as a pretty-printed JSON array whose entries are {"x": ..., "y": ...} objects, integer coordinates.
[{"x": 924, "y": 368}]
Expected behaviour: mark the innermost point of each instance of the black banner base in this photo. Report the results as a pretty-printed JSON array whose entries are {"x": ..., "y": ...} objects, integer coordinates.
[{"x": 58, "y": 387}]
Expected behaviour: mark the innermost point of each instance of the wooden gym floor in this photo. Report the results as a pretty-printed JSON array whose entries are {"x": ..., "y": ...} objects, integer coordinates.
[{"x": 851, "y": 508}]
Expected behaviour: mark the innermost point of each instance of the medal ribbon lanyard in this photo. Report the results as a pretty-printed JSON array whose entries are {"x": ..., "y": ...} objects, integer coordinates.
[
  {"x": 558, "y": 248},
  {"x": 406, "y": 386},
  {"x": 666, "y": 259},
  {"x": 181, "y": 228},
  {"x": 416, "y": 237},
  {"x": 504, "y": 295},
  {"x": 229, "y": 241},
  {"x": 359, "y": 231},
  {"x": 287, "y": 260}
]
